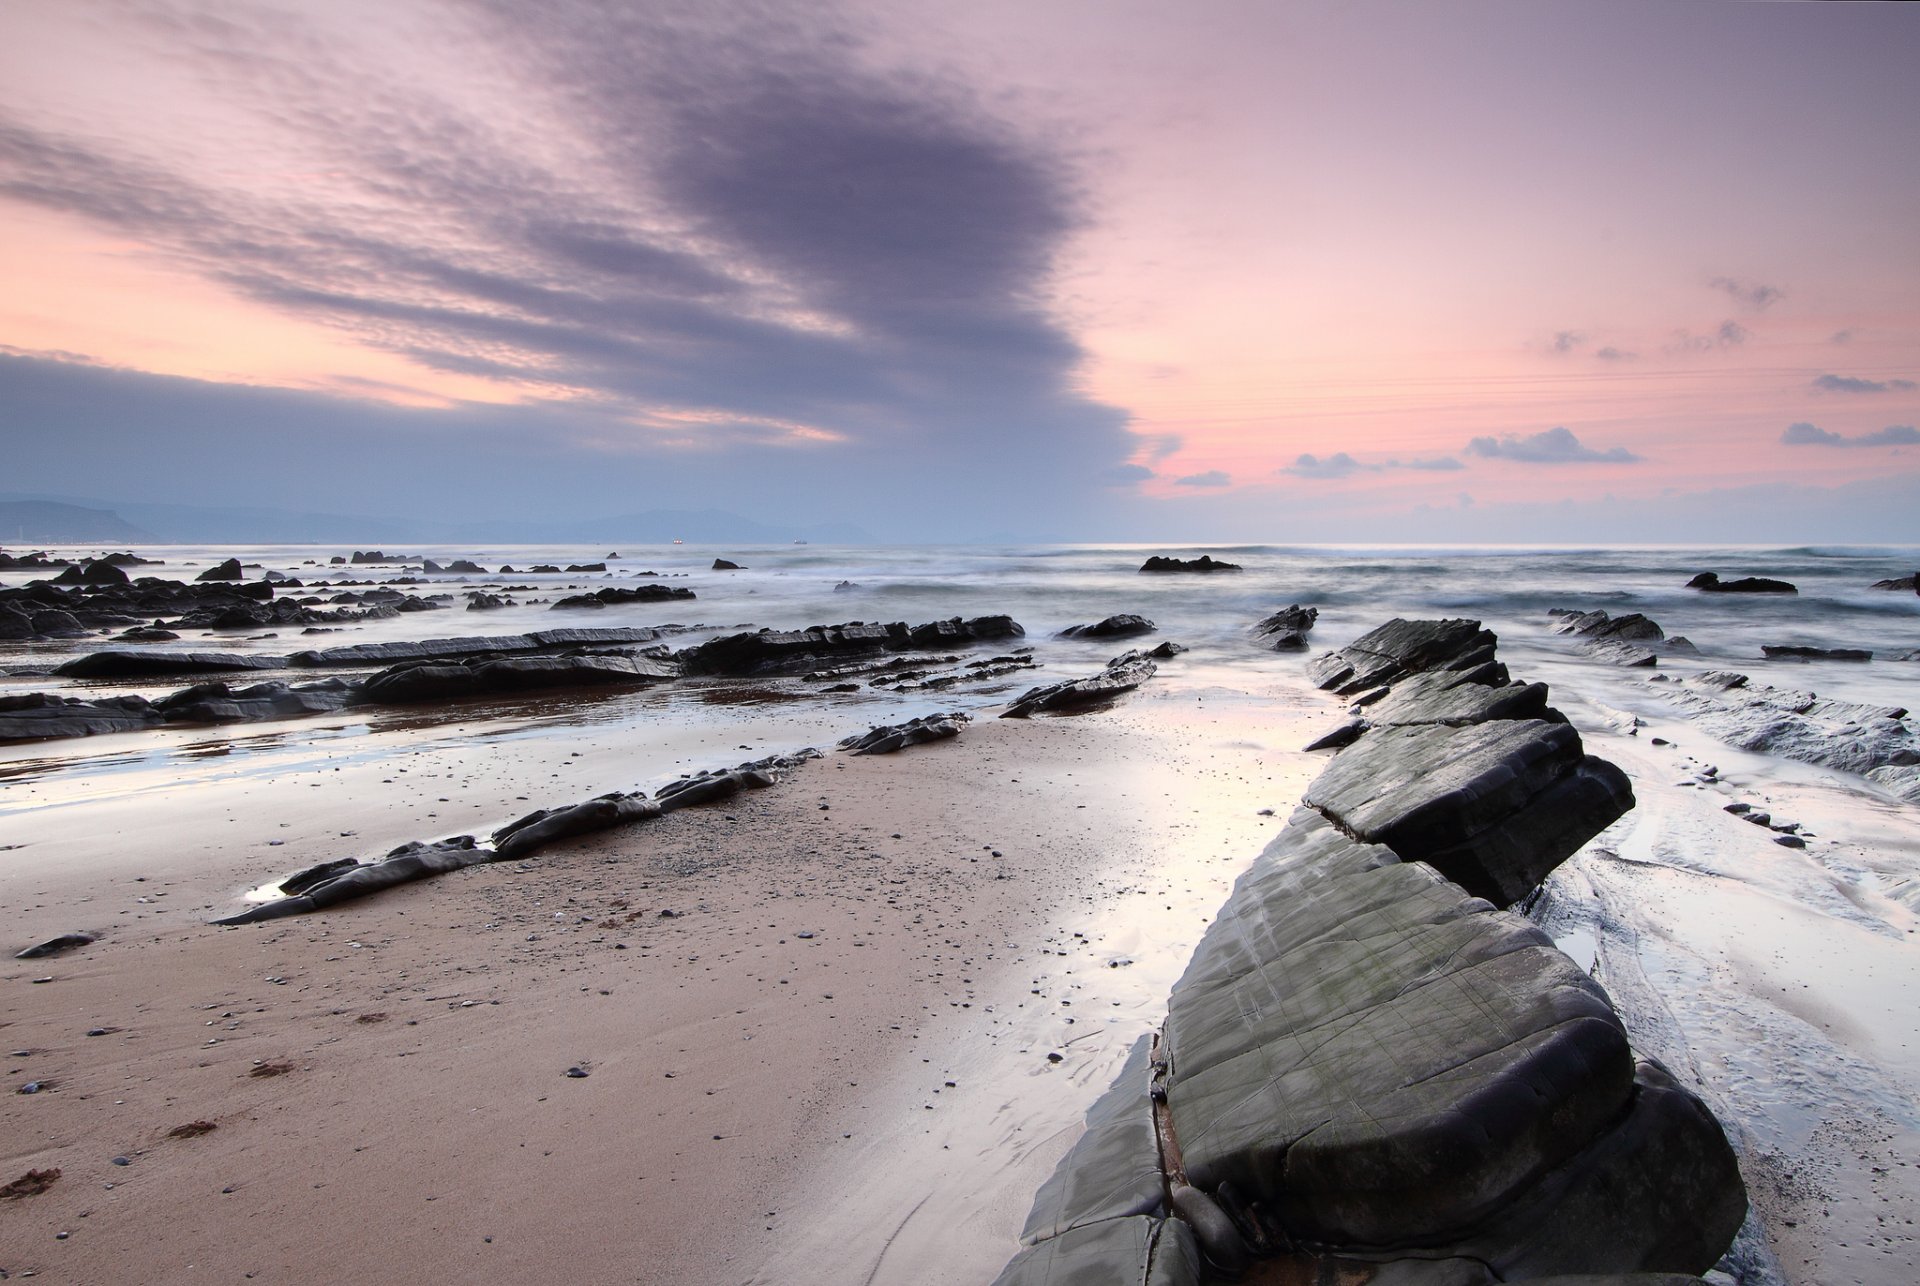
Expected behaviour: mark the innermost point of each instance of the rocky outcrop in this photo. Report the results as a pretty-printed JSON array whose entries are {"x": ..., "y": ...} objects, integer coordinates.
[
  {"x": 403, "y": 865},
  {"x": 536, "y": 830},
  {"x": 1711, "y": 582},
  {"x": 1617, "y": 640},
  {"x": 1786, "y": 652},
  {"x": 1204, "y": 563},
  {"x": 1123, "y": 674},
  {"x": 363, "y": 654},
  {"x": 1877, "y": 742},
  {"x": 145, "y": 662},
  {"x": 794, "y": 651},
  {"x": 614, "y": 594},
  {"x": 1910, "y": 583},
  {"x": 1123, "y": 625},
  {"x": 43, "y": 716},
  {"x": 86, "y": 603},
  {"x": 725, "y": 565},
  {"x": 55, "y": 946},
  {"x": 1399, "y": 648},
  {"x": 216, "y": 703},
  {"x": 887, "y": 738},
  {"x": 480, "y": 601},
  {"x": 1286, "y": 630},
  {"x": 1372, "y": 1073},
  {"x": 445, "y": 680},
  {"x": 229, "y": 570}
]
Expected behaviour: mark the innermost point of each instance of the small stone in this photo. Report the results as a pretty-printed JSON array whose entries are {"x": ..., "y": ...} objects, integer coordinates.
[
  {"x": 578, "y": 1073},
  {"x": 31, "y": 1087},
  {"x": 1056, "y": 1058},
  {"x": 1739, "y": 808},
  {"x": 1789, "y": 841},
  {"x": 123, "y": 1160}
]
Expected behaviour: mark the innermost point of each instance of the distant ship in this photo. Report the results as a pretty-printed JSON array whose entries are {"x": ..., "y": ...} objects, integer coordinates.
[
  {"x": 799, "y": 542},
  {"x": 678, "y": 541}
]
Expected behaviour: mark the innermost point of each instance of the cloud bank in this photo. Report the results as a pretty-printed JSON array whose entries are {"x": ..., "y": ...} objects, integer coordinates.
[
  {"x": 1852, "y": 384},
  {"x": 1553, "y": 446},
  {"x": 1812, "y": 435}
]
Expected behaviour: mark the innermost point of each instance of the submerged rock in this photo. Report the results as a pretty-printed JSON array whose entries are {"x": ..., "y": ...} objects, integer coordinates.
[
  {"x": 1711, "y": 582},
  {"x": 229, "y": 570},
  {"x": 1204, "y": 563},
  {"x": 54, "y": 946},
  {"x": 621, "y": 594},
  {"x": 132, "y": 663},
  {"x": 1791, "y": 653},
  {"x": 772, "y": 651},
  {"x": 726, "y": 565},
  {"x": 1123, "y": 674},
  {"x": 1123, "y": 625},
  {"x": 1286, "y": 630}
]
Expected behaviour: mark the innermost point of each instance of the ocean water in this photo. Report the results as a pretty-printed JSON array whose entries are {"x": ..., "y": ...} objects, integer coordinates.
[{"x": 1778, "y": 981}]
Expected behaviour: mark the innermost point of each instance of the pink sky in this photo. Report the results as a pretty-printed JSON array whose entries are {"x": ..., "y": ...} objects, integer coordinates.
[{"x": 1256, "y": 233}]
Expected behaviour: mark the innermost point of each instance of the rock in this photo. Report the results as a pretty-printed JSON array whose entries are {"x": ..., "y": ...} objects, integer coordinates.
[
  {"x": 1204, "y": 563},
  {"x": 477, "y": 601},
  {"x": 1123, "y": 674},
  {"x": 1846, "y": 735},
  {"x": 431, "y": 568},
  {"x": 844, "y": 587},
  {"x": 1144, "y": 1250},
  {"x": 1791, "y": 653},
  {"x": 317, "y": 874},
  {"x": 360, "y": 654},
  {"x": 1632, "y": 627},
  {"x": 519, "y": 839},
  {"x": 1167, "y": 651},
  {"x": 586, "y": 567},
  {"x": 1493, "y": 806},
  {"x": 229, "y": 570},
  {"x": 622, "y": 594},
  {"x": 1345, "y": 735},
  {"x": 1286, "y": 630},
  {"x": 1711, "y": 582},
  {"x": 103, "y": 573},
  {"x": 409, "y": 862},
  {"x": 771, "y": 652},
  {"x": 1402, "y": 647},
  {"x": 1124, "y": 625},
  {"x": 216, "y": 703},
  {"x": 1457, "y": 698},
  {"x": 54, "y": 946},
  {"x": 723, "y": 565},
  {"x": 1113, "y": 1170},
  {"x": 441, "y": 680},
  {"x": 466, "y": 566},
  {"x": 888, "y": 738},
  {"x": 1615, "y": 652},
  {"x": 1905, "y": 582},
  {"x": 45, "y": 716},
  {"x": 133, "y": 663}
]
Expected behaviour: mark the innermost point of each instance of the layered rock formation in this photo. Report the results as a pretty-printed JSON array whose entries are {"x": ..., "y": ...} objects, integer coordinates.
[
  {"x": 1204, "y": 563},
  {"x": 1370, "y": 1071},
  {"x": 1123, "y": 674},
  {"x": 1286, "y": 630},
  {"x": 788, "y": 651}
]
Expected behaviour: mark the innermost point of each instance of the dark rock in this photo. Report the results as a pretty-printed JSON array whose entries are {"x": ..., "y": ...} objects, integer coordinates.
[
  {"x": 886, "y": 739},
  {"x": 466, "y": 566},
  {"x": 1457, "y": 698},
  {"x": 317, "y": 874},
  {"x": 133, "y": 663},
  {"x": 723, "y": 565},
  {"x": 1124, "y": 625},
  {"x": 586, "y": 567},
  {"x": 430, "y": 567},
  {"x": 103, "y": 573},
  {"x": 1113, "y": 1170},
  {"x": 1787, "y": 653},
  {"x": 229, "y": 570},
  {"x": 622, "y": 594},
  {"x": 1345, "y": 735},
  {"x": 770, "y": 651},
  {"x": 478, "y": 601},
  {"x": 442, "y": 680},
  {"x": 216, "y": 703},
  {"x": 1711, "y": 582},
  {"x": 58, "y": 624},
  {"x": 521, "y": 838},
  {"x": 1632, "y": 627},
  {"x": 845, "y": 586},
  {"x": 1286, "y": 630},
  {"x": 1493, "y": 806},
  {"x": 45, "y": 716},
  {"x": 1151, "y": 1252},
  {"x": 409, "y": 862},
  {"x": 1204, "y": 563},
  {"x": 54, "y": 946},
  {"x": 357, "y": 654},
  {"x": 1400, "y": 648},
  {"x": 1123, "y": 674},
  {"x": 1167, "y": 651}
]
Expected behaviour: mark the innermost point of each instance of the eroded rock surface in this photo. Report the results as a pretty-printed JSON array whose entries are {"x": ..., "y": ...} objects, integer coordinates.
[
  {"x": 1123, "y": 674},
  {"x": 887, "y": 738},
  {"x": 1286, "y": 630},
  {"x": 1877, "y": 742},
  {"x": 1204, "y": 563},
  {"x": 1119, "y": 626},
  {"x": 1399, "y": 648},
  {"x": 787, "y": 651},
  {"x": 1711, "y": 583}
]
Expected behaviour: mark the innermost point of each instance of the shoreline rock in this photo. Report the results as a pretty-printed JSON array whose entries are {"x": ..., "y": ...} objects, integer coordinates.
[
  {"x": 1204, "y": 563},
  {"x": 1123, "y": 674}
]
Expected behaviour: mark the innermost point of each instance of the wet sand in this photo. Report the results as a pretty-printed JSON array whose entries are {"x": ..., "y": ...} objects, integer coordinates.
[{"x": 750, "y": 1094}]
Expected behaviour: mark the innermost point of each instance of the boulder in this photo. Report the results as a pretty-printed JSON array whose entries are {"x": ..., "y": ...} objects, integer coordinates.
[
  {"x": 137, "y": 662},
  {"x": 1401, "y": 647},
  {"x": 1711, "y": 583},
  {"x": 1123, "y": 674},
  {"x": 621, "y": 594},
  {"x": 724, "y": 565},
  {"x": 1167, "y": 651},
  {"x": 1124, "y": 625},
  {"x": 478, "y": 601},
  {"x": 229, "y": 570},
  {"x": 1204, "y": 563},
  {"x": 1632, "y": 627},
  {"x": 103, "y": 573},
  {"x": 466, "y": 566},
  {"x": 586, "y": 567},
  {"x": 1286, "y": 630},
  {"x": 1493, "y": 806}
]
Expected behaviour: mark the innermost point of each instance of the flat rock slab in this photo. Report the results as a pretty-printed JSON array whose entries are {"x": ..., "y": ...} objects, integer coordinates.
[
  {"x": 1458, "y": 698},
  {"x": 1399, "y": 648},
  {"x": 472, "y": 645},
  {"x": 133, "y": 662},
  {"x": 1123, "y": 674},
  {"x": 1143, "y": 1250},
  {"x": 1113, "y": 1170},
  {"x": 780, "y": 651},
  {"x": 1493, "y": 806}
]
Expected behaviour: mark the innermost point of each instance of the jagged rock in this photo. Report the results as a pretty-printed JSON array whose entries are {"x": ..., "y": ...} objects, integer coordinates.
[
  {"x": 215, "y": 703},
  {"x": 1711, "y": 582},
  {"x": 724, "y": 565},
  {"x": 1791, "y": 653},
  {"x": 1286, "y": 630},
  {"x": 1457, "y": 698},
  {"x": 1123, "y": 674},
  {"x": 770, "y": 651},
  {"x": 1167, "y": 651},
  {"x": 478, "y": 601},
  {"x": 1632, "y": 627},
  {"x": 14, "y": 623},
  {"x": 1846, "y": 735},
  {"x": 1904, "y": 582},
  {"x": 430, "y": 567},
  {"x": 887, "y": 738},
  {"x": 1382, "y": 1062},
  {"x": 1615, "y": 652},
  {"x": 844, "y": 587},
  {"x": 229, "y": 570},
  {"x": 1493, "y": 806},
  {"x": 466, "y": 566},
  {"x": 132, "y": 663},
  {"x": 1123, "y": 625},
  {"x": 54, "y": 946},
  {"x": 706, "y": 787},
  {"x": 360, "y": 654},
  {"x": 1402, "y": 647},
  {"x": 58, "y": 624},
  {"x": 622, "y": 594},
  {"x": 409, "y": 862},
  {"x": 1204, "y": 563},
  {"x": 44, "y": 716},
  {"x": 536, "y": 830},
  {"x": 586, "y": 567},
  {"x": 1148, "y": 1251}
]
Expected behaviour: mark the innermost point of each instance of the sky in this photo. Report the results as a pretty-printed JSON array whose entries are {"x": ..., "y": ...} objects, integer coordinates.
[{"x": 1537, "y": 271}]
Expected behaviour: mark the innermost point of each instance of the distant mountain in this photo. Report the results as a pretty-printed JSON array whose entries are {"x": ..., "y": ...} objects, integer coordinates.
[
  {"x": 170, "y": 524},
  {"x": 48, "y": 522}
]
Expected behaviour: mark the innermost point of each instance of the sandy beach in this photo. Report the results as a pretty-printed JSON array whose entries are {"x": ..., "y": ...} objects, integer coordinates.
[{"x": 794, "y": 1009}]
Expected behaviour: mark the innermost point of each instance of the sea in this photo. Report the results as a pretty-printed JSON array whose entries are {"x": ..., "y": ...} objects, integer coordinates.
[{"x": 1779, "y": 981}]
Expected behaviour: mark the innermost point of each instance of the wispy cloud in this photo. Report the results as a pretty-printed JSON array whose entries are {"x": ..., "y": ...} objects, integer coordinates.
[
  {"x": 1553, "y": 446},
  {"x": 1812, "y": 435},
  {"x": 1211, "y": 478},
  {"x": 1729, "y": 334},
  {"x": 1342, "y": 465},
  {"x": 1750, "y": 295},
  {"x": 1126, "y": 475},
  {"x": 1612, "y": 354},
  {"x": 1852, "y": 384},
  {"x": 1567, "y": 340}
]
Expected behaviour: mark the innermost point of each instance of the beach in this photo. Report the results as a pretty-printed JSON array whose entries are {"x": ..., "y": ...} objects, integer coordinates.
[{"x": 840, "y": 1029}]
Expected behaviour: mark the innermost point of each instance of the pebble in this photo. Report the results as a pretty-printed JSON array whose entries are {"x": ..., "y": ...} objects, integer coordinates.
[
  {"x": 577, "y": 1072},
  {"x": 123, "y": 1160},
  {"x": 31, "y": 1087},
  {"x": 806, "y": 934},
  {"x": 1056, "y": 1058},
  {"x": 1789, "y": 841}
]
